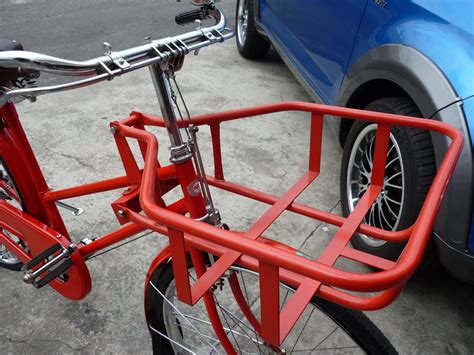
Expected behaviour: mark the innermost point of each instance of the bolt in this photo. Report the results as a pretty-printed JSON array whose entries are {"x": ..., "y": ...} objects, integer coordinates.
[
  {"x": 122, "y": 214},
  {"x": 28, "y": 278},
  {"x": 58, "y": 236}
]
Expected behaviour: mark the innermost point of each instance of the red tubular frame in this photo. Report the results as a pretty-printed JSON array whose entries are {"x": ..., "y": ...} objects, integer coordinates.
[{"x": 274, "y": 261}]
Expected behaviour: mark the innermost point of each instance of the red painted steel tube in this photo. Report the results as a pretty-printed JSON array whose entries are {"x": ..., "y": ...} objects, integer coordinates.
[
  {"x": 310, "y": 273},
  {"x": 86, "y": 189},
  {"x": 216, "y": 151},
  {"x": 364, "y": 303},
  {"x": 165, "y": 172},
  {"x": 393, "y": 236},
  {"x": 110, "y": 239},
  {"x": 355, "y": 114},
  {"x": 348, "y": 280}
]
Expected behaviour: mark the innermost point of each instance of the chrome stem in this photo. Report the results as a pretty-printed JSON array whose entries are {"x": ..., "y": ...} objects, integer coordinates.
[{"x": 163, "y": 92}]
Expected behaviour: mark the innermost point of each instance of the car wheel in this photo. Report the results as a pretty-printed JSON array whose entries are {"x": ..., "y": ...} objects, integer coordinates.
[
  {"x": 409, "y": 172},
  {"x": 250, "y": 43}
]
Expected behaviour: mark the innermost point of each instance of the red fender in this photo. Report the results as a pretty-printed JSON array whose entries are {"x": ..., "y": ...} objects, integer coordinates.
[{"x": 163, "y": 256}]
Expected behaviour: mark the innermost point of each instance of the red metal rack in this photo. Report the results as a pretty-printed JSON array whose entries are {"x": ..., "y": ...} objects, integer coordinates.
[{"x": 275, "y": 261}]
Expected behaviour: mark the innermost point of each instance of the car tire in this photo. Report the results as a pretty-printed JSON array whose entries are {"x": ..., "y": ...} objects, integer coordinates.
[
  {"x": 409, "y": 172},
  {"x": 250, "y": 43}
]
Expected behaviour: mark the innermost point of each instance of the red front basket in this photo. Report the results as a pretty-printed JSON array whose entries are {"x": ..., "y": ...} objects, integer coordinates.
[{"x": 275, "y": 261}]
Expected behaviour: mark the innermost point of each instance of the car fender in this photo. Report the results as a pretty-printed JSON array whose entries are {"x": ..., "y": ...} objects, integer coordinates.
[{"x": 427, "y": 86}]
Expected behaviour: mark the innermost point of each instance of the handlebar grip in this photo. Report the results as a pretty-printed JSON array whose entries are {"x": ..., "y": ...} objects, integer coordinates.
[{"x": 188, "y": 16}]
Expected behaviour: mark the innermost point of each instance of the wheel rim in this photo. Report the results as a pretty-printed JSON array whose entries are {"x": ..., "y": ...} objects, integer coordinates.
[
  {"x": 6, "y": 257},
  {"x": 387, "y": 209},
  {"x": 242, "y": 21},
  {"x": 190, "y": 330}
]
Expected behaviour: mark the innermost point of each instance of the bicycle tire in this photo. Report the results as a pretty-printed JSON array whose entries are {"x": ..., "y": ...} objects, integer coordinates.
[{"x": 358, "y": 327}]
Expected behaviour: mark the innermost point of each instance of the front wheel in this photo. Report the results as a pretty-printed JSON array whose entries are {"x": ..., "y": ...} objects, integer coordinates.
[{"x": 177, "y": 328}]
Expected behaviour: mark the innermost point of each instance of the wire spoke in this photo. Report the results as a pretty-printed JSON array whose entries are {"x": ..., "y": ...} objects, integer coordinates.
[
  {"x": 227, "y": 322},
  {"x": 324, "y": 339},
  {"x": 302, "y": 330},
  {"x": 248, "y": 303},
  {"x": 193, "y": 331},
  {"x": 239, "y": 323},
  {"x": 181, "y": 314}
]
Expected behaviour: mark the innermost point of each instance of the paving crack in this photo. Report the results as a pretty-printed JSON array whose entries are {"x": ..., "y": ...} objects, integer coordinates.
[
  {"x": 78, "y": 160},
  {"x": 28, "y": 343},
  {"x": 308, "y": 237}
]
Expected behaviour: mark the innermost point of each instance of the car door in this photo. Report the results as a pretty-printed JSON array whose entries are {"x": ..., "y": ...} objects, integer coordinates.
[{"x": 321, "y": 35}]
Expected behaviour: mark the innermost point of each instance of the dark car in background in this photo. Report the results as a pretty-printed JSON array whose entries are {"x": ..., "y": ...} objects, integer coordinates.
[{"x": 408, "y": 57}]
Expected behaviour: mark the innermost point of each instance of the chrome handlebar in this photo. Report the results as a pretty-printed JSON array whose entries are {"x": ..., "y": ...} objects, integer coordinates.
[{"x": 112, "y": 63}]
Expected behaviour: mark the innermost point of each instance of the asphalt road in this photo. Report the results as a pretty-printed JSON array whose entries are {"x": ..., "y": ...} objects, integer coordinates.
[
  {"x": 70, "y": 136},
  {"x": 76, "y": 29}
]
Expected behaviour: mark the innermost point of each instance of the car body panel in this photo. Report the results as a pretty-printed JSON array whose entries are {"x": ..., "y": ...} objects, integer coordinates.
[{"x": 326, "y": 56}]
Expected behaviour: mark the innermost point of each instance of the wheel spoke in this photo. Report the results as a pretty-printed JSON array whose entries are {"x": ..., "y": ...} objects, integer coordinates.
[
  {"x": 390, "y": 209},
  {"x": 324, "y": 339},
  {"x": 196, "y": 331},
  {"x": 393, "y": 176},
  {"x": 302, "y": 331},
  {"x": 400, "y": 187},
  {"x": 392, "y": 161},
  {"x": 181, "y": 314},
  {"x": 239, "y": 323},
  {"x": 227, "y": 322},
  {"x": 386, "y": 198},
  {"x": 382, "y": 216},
  {"x": 392, "y": 146}
]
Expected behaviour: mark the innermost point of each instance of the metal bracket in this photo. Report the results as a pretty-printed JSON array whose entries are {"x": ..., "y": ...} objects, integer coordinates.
[{"x": 122, "y": 63}]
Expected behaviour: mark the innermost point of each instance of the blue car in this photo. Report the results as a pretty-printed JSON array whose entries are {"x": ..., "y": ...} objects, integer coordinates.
[{"x": 409, "y": 57}]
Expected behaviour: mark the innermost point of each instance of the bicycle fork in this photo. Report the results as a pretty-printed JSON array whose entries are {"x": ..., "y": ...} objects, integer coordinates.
[{"x": 193, "y": 183}]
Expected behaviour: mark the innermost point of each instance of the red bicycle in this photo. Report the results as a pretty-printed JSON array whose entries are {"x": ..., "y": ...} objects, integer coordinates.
[{"x": 212, "y": 289}]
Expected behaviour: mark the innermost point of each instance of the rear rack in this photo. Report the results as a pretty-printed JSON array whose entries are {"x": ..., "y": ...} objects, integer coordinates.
[{"x": 275, "y": 261}]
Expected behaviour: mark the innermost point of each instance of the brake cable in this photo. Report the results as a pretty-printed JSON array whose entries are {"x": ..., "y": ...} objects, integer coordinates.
[{"x": 191, "y": 130}]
